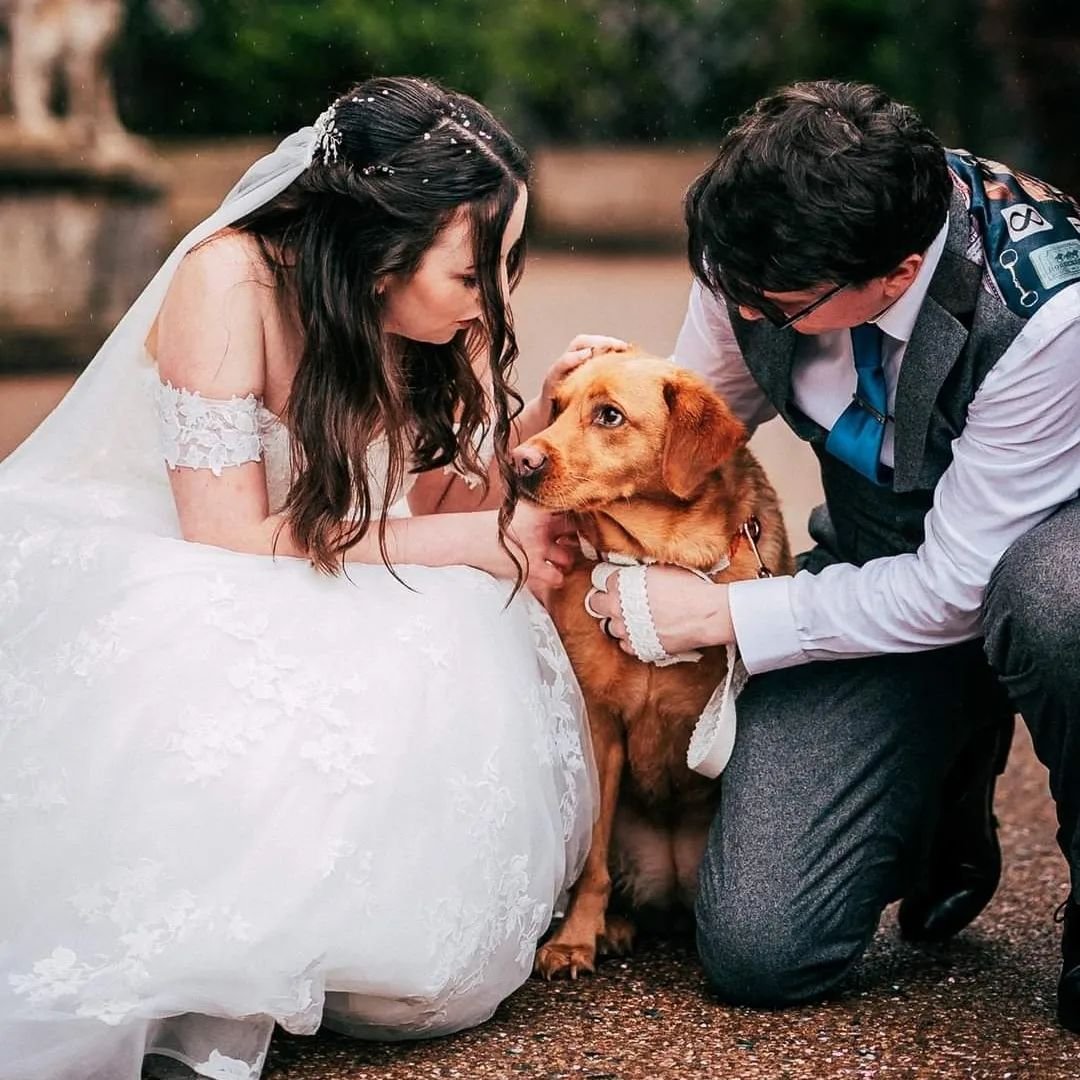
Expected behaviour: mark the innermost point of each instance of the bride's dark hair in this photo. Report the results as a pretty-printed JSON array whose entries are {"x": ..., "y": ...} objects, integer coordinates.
[{"x": 400, "y": 158}]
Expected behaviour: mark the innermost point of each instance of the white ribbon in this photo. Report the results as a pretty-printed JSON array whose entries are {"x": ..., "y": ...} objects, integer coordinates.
[
  {"x": 713, "y": 739},
  {"x": 637, "y": 615},
  {"x": 634, "y": 601}
]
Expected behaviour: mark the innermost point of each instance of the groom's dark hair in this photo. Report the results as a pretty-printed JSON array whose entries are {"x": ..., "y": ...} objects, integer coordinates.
[{"x": 820, "y": 183}]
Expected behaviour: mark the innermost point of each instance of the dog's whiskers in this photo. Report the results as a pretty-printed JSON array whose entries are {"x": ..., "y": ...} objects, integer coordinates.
[{"x": 577, "y": 476}]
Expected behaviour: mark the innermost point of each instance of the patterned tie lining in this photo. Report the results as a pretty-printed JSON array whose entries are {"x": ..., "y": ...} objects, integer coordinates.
[{"x": 1029, "y": 230}]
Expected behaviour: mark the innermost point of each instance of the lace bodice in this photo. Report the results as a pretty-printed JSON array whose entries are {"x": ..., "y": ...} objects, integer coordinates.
[{"x": 197, "y": 432}]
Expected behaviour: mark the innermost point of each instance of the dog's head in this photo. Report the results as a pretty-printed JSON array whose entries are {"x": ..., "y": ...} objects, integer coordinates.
[{"x": 627, "y": 425}]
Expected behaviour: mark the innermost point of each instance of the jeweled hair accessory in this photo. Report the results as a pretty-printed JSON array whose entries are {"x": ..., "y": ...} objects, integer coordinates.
[{"x": 327, "y": 136}]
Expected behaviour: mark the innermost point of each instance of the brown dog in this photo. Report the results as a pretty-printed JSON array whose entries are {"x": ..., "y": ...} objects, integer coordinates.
[{"x": 652, "y": 464}]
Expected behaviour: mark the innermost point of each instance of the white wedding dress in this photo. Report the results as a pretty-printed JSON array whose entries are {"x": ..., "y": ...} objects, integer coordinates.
[{"x": 234, "y": 791}]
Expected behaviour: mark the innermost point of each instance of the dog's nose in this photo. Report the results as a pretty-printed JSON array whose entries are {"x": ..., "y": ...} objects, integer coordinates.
[{"x": 529, "y": 461}]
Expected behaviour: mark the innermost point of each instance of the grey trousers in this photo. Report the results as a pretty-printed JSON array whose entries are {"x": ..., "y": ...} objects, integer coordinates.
[{"x": 832, "y": 793}]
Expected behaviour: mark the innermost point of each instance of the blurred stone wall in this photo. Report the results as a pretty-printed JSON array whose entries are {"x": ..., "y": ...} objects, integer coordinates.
[
  {"x": 614, "y": 198},
  {"x": 80, "y": 236},
  {"x": 606, "y": 197},
  {"x": 77, "y": 256}
]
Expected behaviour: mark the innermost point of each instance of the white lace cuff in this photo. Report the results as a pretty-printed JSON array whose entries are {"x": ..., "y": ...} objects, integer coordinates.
[{"x": 207, "y": 433}]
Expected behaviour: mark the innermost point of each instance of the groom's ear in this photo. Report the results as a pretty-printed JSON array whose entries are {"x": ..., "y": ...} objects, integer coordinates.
[{"x": 702, "y": 433}]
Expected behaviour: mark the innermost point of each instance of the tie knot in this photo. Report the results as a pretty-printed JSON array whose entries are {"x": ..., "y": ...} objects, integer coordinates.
[{"x": 866, "y": 345}]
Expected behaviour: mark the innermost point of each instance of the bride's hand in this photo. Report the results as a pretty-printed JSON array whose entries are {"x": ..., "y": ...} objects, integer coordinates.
[
  {"x": 580, "y": 349},
  {"x": 537, "y": 413},
  {"x": 549, "y": 542}
]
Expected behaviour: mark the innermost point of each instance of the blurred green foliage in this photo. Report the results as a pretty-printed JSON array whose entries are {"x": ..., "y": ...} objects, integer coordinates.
[{"x": 555, "y": 70}]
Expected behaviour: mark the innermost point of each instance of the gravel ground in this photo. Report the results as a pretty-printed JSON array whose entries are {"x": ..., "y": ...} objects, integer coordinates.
[{"x": 980, "y": 1007}]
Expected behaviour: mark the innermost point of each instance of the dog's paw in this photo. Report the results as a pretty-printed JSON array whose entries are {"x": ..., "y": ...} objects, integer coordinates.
[
  {"x": 564, "y": 961},
  {"x": 618, "y": 936}
]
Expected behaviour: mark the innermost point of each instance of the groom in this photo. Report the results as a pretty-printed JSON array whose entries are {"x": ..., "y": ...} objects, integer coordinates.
[{"x": 913, "y": 314}]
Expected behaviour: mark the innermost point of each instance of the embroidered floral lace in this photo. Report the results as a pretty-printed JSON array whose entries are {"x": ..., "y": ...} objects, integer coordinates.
[{"x": 209, "y": 433}]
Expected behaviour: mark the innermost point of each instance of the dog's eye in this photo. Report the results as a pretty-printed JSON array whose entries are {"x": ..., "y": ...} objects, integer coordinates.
[{"x": 609, "y": 416}]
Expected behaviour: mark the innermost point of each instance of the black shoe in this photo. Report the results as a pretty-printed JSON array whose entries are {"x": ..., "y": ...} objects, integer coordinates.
[
  {"x": 965, "y": 863},
  {"x": 1069, "y": 986}
]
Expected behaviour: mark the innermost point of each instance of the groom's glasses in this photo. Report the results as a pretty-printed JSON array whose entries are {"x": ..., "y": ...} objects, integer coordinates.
[{"x": 741, "y": 296}]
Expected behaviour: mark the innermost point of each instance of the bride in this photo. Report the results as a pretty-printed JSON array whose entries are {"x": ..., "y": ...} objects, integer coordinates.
[{"x": 271, "y": 749}]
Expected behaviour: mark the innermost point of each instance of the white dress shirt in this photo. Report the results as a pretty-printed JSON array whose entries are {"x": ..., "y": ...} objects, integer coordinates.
[{"x": 1015, "y": 462}]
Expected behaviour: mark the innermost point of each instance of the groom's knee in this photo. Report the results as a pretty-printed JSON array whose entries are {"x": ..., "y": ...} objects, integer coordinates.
[
  {"x": 1031, "y": 612},
  {"x": 762, "y": 953}
]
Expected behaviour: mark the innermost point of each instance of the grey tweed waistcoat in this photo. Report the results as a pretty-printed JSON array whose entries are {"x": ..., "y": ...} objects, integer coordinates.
[{"x": 964, "y": 326}]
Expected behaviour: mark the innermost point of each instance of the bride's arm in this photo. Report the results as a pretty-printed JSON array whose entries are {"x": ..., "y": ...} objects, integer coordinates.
[
  {"x": 209, "y": 340},
  {"x": 231, "y": 511}
]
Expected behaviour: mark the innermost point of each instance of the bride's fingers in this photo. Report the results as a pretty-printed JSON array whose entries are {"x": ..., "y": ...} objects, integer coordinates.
[
  {"x": 598, "y": 341},
  {"x": 560, "y": 557},
  {"x": 581, "y": 349},
  {"x": 563, "y": 530},
  {"x": 546, "y": 574},
  {"x": 571, "y": 359}
]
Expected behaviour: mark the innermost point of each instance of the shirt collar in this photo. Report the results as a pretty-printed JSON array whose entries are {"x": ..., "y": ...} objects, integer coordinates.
[{"x": 898, "y": 320}]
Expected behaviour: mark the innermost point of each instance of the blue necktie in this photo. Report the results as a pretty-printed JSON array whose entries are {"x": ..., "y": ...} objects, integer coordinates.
[{"x": 859, "y": 431}]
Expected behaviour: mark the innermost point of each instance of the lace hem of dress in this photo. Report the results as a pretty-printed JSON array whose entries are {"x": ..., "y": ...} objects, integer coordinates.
[{"x": 197, "y": 432}]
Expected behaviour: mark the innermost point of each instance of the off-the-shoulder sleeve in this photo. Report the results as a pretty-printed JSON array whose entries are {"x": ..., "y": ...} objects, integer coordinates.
[{"x": 207, "y": 433}]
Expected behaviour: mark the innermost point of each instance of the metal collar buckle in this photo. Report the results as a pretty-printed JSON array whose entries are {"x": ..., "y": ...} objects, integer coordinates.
[{"x": 751, "y": 530}]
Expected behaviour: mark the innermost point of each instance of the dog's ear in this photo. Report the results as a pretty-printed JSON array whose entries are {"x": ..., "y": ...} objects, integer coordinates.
[{"x": 702, "y": 434}]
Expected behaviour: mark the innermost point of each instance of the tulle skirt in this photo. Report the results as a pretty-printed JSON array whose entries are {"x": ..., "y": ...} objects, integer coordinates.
[{"x": 234, "y": 792}]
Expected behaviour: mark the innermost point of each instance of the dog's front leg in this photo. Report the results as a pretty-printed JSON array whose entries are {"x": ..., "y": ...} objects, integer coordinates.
[{"x": 572, "y": 948}]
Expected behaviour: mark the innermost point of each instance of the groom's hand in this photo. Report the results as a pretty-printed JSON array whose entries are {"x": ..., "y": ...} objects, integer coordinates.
[{"x": 688, "y": 613}]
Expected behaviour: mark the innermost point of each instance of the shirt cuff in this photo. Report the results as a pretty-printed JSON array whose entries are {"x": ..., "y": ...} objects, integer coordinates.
[{"x": 764, "y": 623}]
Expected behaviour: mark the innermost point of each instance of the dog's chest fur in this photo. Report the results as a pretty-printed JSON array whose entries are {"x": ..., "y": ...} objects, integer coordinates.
[{"x": 658, "y": 723}]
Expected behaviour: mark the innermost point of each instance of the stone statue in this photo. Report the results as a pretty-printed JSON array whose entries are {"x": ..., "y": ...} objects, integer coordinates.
[
  {"x": 82, "y": 214},
  {"x": 64, "y": 43}
]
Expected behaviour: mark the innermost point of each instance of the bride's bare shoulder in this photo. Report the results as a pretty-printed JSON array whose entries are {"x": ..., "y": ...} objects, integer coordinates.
[
  {"x": 209, "y": 333},
  {"x": 228, "y": 261}
]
